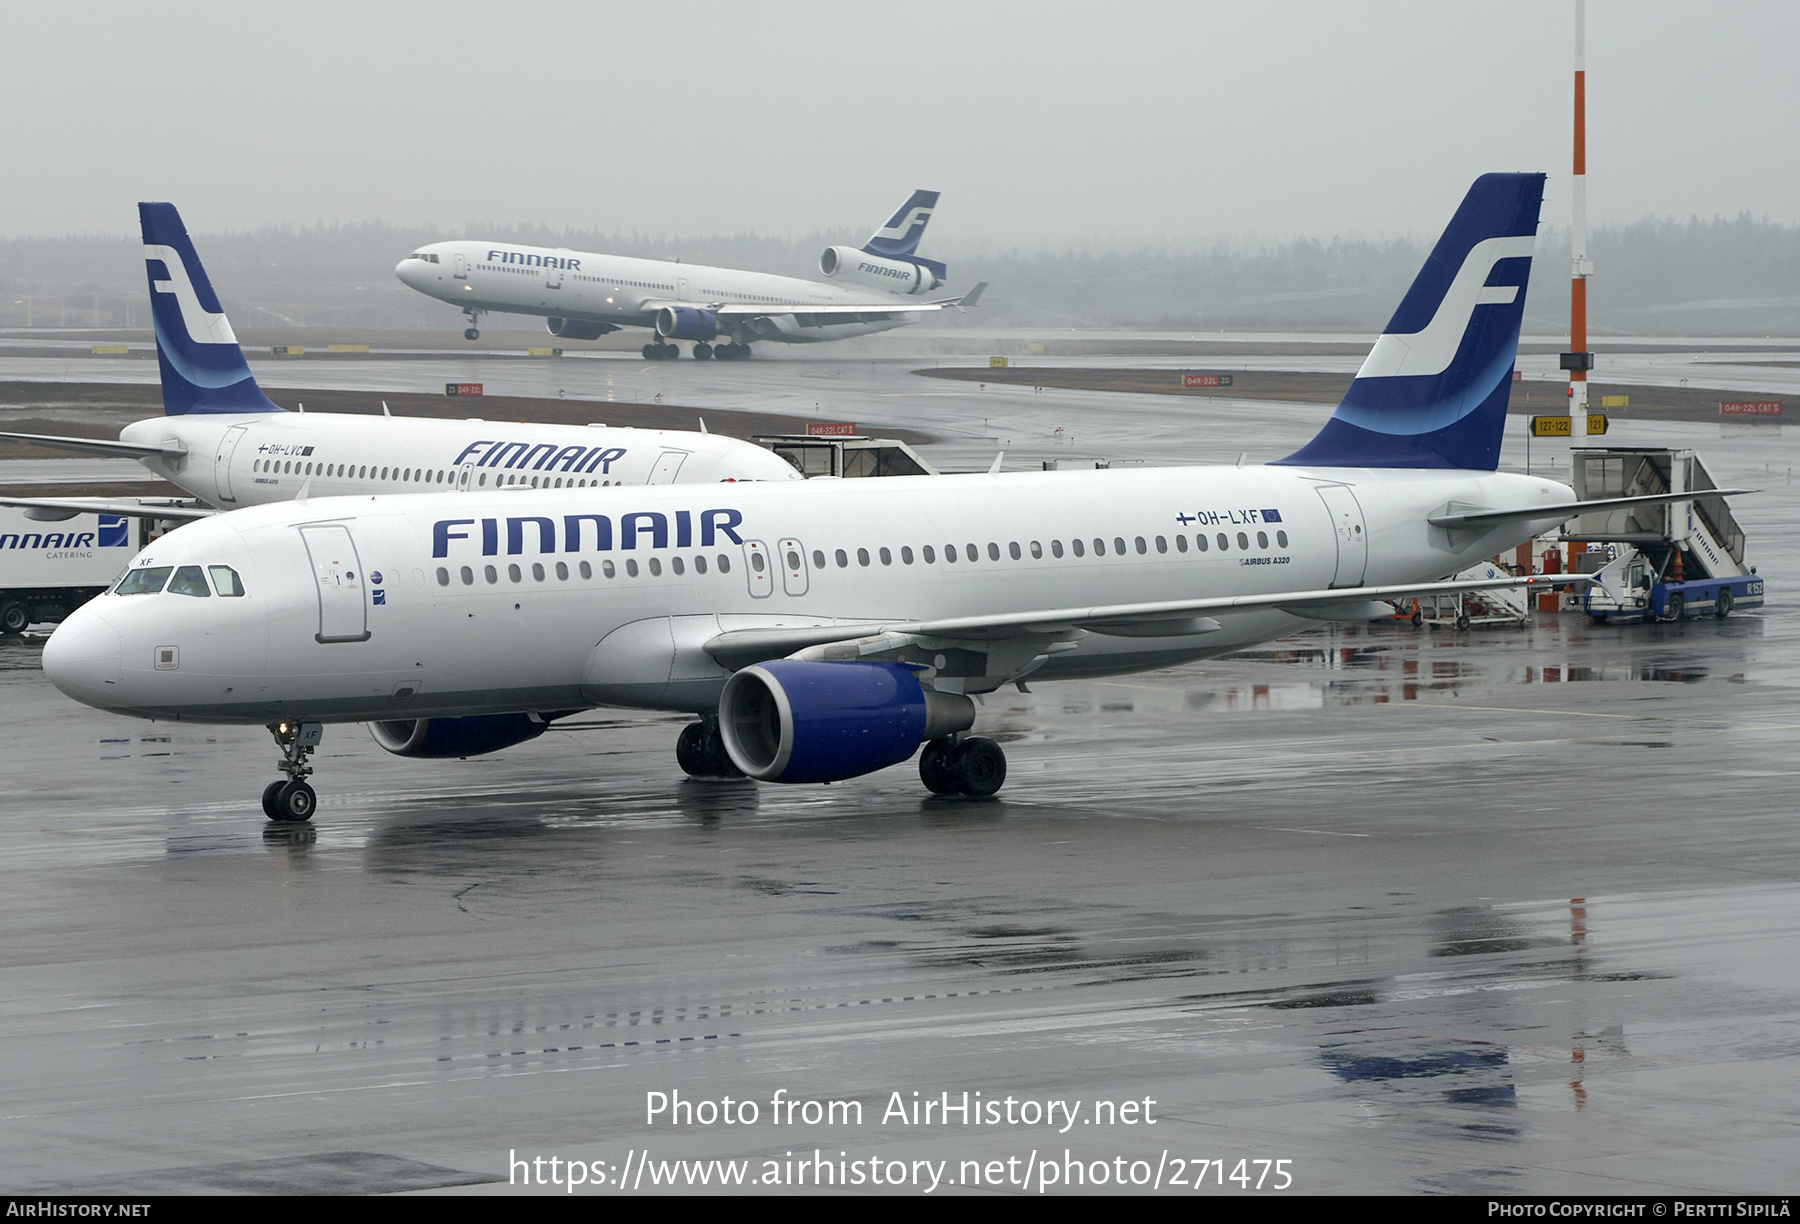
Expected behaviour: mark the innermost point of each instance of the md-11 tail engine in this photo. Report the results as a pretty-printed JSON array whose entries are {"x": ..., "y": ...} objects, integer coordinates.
[
  {"x": 893, "y": 275},
  {"x": 577, "y": 329},
  {"x": 790, "y": 720},
  {"x": 457, "y": 737}
]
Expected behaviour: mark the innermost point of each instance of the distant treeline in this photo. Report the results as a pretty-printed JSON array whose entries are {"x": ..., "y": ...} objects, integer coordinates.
[{"x": 1718, "y": 277}]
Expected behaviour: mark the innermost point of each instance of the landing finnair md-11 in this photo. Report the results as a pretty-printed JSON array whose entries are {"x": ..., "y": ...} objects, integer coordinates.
[
  {"x": 722, "y": 310},
  {"x": 825, "y": 629},
  {"x": 228, "y": 444}
]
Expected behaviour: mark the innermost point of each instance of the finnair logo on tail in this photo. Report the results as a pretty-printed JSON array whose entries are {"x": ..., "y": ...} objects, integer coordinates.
[
  {"x": 203, "y": 327},
  {"x": 913, "y": 220},
  {"x": 1429, "y": 352}
]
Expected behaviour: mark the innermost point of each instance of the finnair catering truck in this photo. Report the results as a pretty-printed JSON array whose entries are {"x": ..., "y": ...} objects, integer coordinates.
[{"x": 48, "y": 568}]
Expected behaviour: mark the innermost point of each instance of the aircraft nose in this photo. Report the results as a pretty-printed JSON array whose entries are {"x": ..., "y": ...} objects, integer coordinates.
[
  {"x": 401, "y": 270},
  {"x": 82, "y": 659}
]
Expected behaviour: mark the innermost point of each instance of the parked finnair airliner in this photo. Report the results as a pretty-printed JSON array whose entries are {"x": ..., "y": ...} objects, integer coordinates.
[
  {"x": 825, "y": 629},
  {"x": 225, "y": 442},
  {"x": 722, "y": 310}
]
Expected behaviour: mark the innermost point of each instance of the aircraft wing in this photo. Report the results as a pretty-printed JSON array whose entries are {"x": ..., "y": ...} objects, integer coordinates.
[
  {"x": 1168, "y": 618},
  {"x": 53, "y": 509},
  {"x": 742, "y": 310},
  {"x": 98, "y": 446}
]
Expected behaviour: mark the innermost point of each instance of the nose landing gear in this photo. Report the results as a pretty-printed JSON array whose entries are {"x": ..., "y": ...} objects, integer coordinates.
[
  {"x": 472, "y": 332},
  {"x": 291, "y": 799}
]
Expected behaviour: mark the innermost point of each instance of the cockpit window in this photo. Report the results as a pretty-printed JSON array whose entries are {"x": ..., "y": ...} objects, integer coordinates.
[
  {"x": 145, "y": 581},
  {"x": 226, "y": 580},
  {"x": 189, "y": 580}
]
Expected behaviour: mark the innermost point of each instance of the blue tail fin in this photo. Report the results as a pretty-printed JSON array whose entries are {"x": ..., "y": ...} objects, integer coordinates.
[
  {"x": 203, "y": 369},
  {"x": 899, "y": 238},
  {"x": 1433, "y": 391}
]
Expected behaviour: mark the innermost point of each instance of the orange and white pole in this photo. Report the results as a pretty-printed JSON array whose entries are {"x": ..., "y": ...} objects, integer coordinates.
[{"x": 1577, "y": 361}]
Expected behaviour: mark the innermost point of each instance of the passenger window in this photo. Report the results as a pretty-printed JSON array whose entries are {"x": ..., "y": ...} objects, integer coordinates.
[
  {"x": 725, "y": 563},
  {"x": 906, "y": 554},
  {"x": 1037, "y": 551},
  {"x": 973, "y": 552},
  {"x": 1099, "y": 547},
  {"x": 562, "y": 571},
  {"x": 887, "y": 558},
  {"x": 818, "y": 559},
  {"x": 675, "y": 563},
  {"x": 1262, "y": 539},
  {"x": 994, "y": 551},
  {"x": 443, "y": 576},
  {"x": 655, "y": 567},
  {"x": 606, "y": 569},
  {"x": 842, "y": 560},
  {"x": 144, "y": 581},
  {"x": 862, "y": 556},
  {"x": 1199, "y": 542},
  {"x": 225, "y": 581},
  {"x": 189, "y": 580},
  {"x": 950, "y": 553},
  {"x": 1224, "y": 542},
  {"x": 1180, "y": 543},
  {"x": 586, "y": 570},
  {"x": 491, "y": 574},
  {"x": 1162, "y": 545},
  {"x": 930, "y": 555},
  {"x": 1243, "y": 541},
  {"x": 1056, "y": 548},
  {"x": 1119, "y": 545},
  {"x": 1013, "y": 549},
  {"x": 537, "y": 572},
  {"x": 756, "y": 562},
  {"x": 631, "y": 568},
  {"x": 512, "y": 571},
  {"x": 1139, "y": 541},
  {"x": 1079, "y": 547},
  {"x": 468, "y": 576},
  {"x": 1281, "y": 538},
  {"x": 700, "y": 564}
]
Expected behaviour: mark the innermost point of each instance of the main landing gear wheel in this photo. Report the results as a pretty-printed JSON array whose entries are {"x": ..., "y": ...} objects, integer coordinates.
[
  {"x": 974, "y": 767},
  {"x": 661, "y": 352},
  {"x": 703, "y": 351},
  {"x": 1722, "y": 608},
  {"x": 471, "y": 333},
  {"x": 731, "y": 352},
  {"x": 701, "y": 751}
]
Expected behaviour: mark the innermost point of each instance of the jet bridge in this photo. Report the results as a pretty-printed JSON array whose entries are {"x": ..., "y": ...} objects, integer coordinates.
[{"x": 1669, "y": 560}]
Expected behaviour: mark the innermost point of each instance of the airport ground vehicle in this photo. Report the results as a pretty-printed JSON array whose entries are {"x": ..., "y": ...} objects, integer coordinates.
[
  {"x": 50, "y": 568},
  {"x": 1669, "y": 560}
]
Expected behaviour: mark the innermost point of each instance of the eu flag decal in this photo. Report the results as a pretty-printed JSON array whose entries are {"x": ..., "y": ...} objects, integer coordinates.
[{"x": 1271, "y": 516}]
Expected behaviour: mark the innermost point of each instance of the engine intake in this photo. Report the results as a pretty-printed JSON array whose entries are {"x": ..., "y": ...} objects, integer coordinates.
[
  {"x": 686, "y": 323},
  {"x": 578, "y": 329},
  {"x": 789, "y": 720},
  {"x": 456, "y": 737}
]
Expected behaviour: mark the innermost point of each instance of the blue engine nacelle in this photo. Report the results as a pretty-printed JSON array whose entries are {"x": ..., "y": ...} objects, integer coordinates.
[
  {"x": 577, "y": 329},
  {"x": 686, "y": 323},
  {"x": 457, "y": 737},
  {"x": 790, "y": 720}
]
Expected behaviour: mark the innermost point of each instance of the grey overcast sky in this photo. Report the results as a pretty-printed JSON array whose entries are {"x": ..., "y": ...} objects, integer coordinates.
[{"x": 1041, "y": 122}]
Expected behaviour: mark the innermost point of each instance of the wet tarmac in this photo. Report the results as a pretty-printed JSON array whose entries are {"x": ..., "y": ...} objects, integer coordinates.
[{"x": 1503, "y": 911}]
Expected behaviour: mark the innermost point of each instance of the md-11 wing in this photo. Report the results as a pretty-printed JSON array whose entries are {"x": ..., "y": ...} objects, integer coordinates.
[{"x": 745, "y": 310}]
